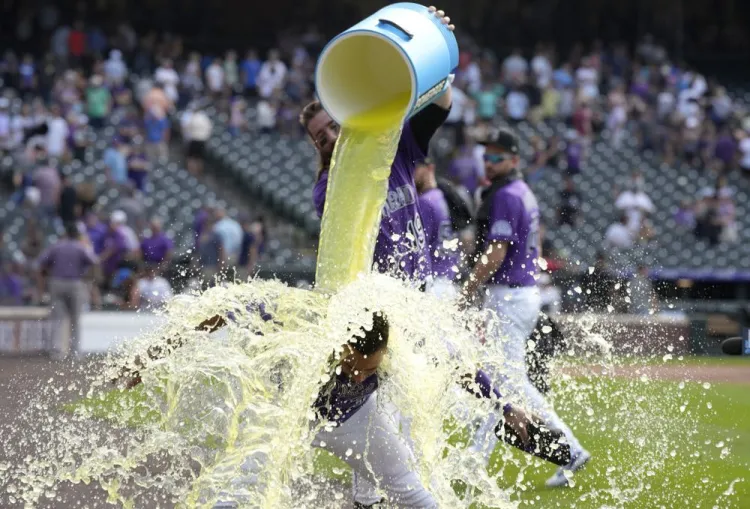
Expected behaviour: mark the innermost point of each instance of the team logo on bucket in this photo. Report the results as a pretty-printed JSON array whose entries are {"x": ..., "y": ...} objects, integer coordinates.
[{"x": 427, "y": 96}]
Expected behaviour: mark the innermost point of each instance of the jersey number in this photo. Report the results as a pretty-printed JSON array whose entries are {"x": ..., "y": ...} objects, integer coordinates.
[
  {"x": 415, "y": 234},
  {"x": 532, "y": 240}
]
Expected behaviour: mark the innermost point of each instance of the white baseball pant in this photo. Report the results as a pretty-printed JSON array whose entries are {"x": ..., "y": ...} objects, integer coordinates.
[
  {"x": 518, "y": 310},
  {"x": 380, "y": 459}
]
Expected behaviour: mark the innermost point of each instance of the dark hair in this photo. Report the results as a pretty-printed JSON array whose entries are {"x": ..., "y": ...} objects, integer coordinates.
[
  {"x": 71, "y": 230},
  {"x": 305, "y": 116},
  {"x": 375, "y": 339}
]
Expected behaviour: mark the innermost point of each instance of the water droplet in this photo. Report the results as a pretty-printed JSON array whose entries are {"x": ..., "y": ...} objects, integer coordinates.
[
  {"x": 577, "y": 289},
  {"x": 348, "y": 452},
  {"x": 706, "y": 385},
  {"x": 546, "y": 329}
]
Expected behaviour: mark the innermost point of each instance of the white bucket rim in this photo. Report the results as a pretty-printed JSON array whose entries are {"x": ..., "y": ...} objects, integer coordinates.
[{"x": 371, "y": 33}]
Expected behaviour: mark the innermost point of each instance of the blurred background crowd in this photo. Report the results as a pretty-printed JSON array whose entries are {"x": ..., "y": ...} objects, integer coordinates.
[{"x": 175, "y": 157}]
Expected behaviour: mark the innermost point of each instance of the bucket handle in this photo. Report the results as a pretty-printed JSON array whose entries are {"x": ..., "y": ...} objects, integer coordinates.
[{"x": 408, "y": 34}]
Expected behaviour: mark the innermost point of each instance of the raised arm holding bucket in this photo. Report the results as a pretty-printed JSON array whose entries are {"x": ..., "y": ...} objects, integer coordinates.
[{"x": 384, "y": 88}]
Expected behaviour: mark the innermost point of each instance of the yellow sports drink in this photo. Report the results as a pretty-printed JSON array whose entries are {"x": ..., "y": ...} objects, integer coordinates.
[
  {"x": 357, "y": 188},
  {"x": 370, "y": 79}
]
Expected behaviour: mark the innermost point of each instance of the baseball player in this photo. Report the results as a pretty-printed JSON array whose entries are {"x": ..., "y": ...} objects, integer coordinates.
[
  {"x": 441, "y": 242},
  {"x": 509, "y": 245}
]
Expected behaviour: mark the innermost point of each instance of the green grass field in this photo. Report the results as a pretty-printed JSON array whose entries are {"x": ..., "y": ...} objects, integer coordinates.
[
  {"x": 633, "y": 466},
  {"x": 654, "y": 444}
]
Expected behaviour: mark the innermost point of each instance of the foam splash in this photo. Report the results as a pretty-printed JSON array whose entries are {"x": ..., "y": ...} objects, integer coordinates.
[
  {"x": 205, "y": 415},
  {"x": 225, "y": 399}
]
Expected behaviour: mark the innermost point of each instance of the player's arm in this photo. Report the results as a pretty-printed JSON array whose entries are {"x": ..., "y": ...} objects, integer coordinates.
[
  {"x": 130, "y": 377},
  {"x": 445, "y": 100},
  {"x": 426, "y": 122},
  {"x": 486, "y": 266}
]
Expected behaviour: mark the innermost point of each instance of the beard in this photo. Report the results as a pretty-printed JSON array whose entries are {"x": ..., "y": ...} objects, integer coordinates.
[{"x": 325, "y": 159}]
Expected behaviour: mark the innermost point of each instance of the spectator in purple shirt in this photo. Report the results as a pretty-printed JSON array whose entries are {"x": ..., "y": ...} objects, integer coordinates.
[
  {"x": 138, "y": 168},
  {"x": 11, "y": 286},
  {"x": 574, "y": 153},
  {"x": 157, "y": 248},
  {"x": 67, "y": 263},
  {"x": 115, "y": 248},
  {"x": 96, "y": 231},
  {"x": 684, "y": 216},
  {"x": 725, "y": 148},
  {"x": 199, "y": 222}
]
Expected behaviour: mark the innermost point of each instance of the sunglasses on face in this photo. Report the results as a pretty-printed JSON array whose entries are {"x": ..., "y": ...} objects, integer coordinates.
[{"x": 497, "y": 158}]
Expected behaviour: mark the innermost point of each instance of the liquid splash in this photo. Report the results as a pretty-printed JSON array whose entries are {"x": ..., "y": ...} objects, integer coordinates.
[
  {"x": 223, "y": 400},
  {"x": 204, "y": 417}
]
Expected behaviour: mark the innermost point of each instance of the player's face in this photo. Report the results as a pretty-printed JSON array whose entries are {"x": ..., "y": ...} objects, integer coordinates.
[
  {"x": 359, "y": 367},
  {"x": 498, "y": 162},
  {"x": 324, "y": 132}
]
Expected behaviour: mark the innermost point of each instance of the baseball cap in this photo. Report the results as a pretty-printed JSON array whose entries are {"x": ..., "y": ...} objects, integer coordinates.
[
  {"x": 118, "y": 217},
  {"x": 503, "y": 139}
]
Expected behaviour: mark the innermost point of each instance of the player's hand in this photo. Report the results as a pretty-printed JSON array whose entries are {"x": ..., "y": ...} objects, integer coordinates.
[
  {"x": 464, "y": 302},
  {"x": 517, "y": 419},
  {"x": 443, "y": 18}
]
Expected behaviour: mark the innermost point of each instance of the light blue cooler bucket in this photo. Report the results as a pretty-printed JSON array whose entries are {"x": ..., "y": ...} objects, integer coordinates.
[{"x": 402, "y": 50}]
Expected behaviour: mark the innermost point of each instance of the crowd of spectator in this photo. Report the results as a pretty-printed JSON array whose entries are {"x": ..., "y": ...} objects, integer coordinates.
[
  {"x": 146, "y": 89},
  {"x": 53, "y": 107}
]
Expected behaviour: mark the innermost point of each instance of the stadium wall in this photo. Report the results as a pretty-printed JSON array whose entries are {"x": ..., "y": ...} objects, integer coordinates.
[{"x": 32, "y": 330}]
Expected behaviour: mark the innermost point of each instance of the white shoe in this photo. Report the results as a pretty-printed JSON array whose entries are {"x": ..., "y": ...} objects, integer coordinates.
[{"x": 563, "y": 475}]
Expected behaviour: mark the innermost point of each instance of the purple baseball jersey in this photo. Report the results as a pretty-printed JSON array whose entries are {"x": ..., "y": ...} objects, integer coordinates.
[
  {"x": 514, "y": 218},
  {"x": 437, "y": 231},
  {"x": 400, "y": 246},
  {"x": 341, "y": 397},
  {"x": 156, "y": 247}
]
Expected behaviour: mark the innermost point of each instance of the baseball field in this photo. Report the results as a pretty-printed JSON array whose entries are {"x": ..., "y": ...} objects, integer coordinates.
[{"x": 663, "y": 433}]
